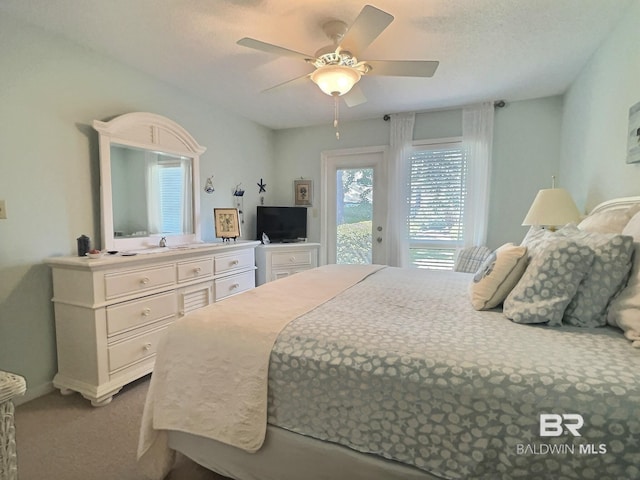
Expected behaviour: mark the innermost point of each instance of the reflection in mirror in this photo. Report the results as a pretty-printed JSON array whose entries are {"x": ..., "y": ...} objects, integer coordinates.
[{"x": 152, "y": 193}]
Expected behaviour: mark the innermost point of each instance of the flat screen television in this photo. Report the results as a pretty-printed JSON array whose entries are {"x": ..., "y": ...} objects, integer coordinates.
[{"x": 282, "y": 224}]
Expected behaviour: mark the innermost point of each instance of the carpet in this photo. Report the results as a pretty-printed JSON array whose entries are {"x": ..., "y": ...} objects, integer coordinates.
[{"x": 65, "y": 438}]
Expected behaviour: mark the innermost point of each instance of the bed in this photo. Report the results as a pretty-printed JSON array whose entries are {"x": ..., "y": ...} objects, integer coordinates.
[{"x": 366, "y": 372}]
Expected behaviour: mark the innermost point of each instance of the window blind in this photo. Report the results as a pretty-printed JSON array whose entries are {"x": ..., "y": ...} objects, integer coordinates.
[
  {"x": 171, "y": 189},
  {"x": 437, "y": 194}
]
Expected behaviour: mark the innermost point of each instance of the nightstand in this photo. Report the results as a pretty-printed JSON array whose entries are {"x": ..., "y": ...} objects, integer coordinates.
[{"x": 278, "y": 260}]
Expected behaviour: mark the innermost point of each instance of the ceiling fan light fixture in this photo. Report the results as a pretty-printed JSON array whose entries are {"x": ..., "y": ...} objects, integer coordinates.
[{"x": 335, "y": 79}]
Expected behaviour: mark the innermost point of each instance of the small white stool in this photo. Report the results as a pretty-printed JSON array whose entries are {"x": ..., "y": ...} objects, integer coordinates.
[{"x": 11, "y": 385}]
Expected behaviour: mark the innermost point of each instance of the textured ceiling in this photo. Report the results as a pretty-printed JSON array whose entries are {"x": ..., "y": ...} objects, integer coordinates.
[{"x": 488, "y": 49}]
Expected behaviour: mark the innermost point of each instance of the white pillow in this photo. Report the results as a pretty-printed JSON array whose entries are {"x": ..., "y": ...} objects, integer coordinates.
[
  {"x": 609, "y": 221},
  {"x": 497, "y": 276},
  {"x": 624, "y": 311}
]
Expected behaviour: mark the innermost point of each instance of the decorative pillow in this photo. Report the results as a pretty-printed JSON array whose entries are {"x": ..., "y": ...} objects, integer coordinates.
[
  {"x": 549, "y": 282},
  {"x": 608, "y": 273},
  {"x": 469, "y": 259},
  {"x": 624, "y": 311},
  {"x": 497, "y": 276},
  {"x": 536, "y": 239},
  {"x": 611, "y": 221}
]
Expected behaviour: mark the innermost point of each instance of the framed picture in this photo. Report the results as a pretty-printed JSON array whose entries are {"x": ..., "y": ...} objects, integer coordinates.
[
  {"x": 302, "y": 193},
  {"x": 227, "y": 223},
  {"x": 633, "y": 142}
]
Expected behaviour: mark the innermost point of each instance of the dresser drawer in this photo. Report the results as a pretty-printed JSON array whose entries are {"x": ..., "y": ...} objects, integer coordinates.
[
  {"x": 233, "y": 284},
  {"x": 303, "y": 257},
  {"x": 130, "y": 351},
  {"x": 195, "y": 269},
  {"x": 128, "y": 315},
  {"x": 134, "y": 281},
  {"x": 235, "y": 261}
]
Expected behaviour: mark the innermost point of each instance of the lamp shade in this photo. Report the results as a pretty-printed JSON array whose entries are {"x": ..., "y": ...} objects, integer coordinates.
[
  {"x": 552, "y": 207},
  {"x": 335, "y": 79}
]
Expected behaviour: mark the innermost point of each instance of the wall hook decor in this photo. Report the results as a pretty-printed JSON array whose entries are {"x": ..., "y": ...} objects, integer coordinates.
[
  {"x": 208, "y": 186},
  {"x": 237, "y": 191},
  {"x": 238, "y": 195}
]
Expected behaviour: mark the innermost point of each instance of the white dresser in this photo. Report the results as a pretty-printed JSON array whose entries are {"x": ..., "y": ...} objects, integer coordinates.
[
  {"x": 277, "y": 260},
  {"x": 111, "y": 312}
]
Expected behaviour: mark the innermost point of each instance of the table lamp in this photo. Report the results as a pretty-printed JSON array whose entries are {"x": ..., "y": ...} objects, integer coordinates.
[{"x": 551, "y": 208}]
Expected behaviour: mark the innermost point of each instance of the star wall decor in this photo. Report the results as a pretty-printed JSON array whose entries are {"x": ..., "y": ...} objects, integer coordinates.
[{"x": 262, "y": 186}]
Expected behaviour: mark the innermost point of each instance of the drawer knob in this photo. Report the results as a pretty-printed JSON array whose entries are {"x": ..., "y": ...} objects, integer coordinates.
[
  {"x": 144, "y": 280},
  {"x": 234, "y": 286},
  {"x": 146, "y": 311},
  {"x": 234, "y": 262},
  {"x": 292, "y": 259},
  {"x": 197, "y": 270},
  {"x": 146, "y": 347}
]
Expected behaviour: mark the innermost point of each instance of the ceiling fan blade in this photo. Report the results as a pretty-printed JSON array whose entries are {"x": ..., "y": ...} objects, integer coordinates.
[
  {"x": 273, "y": 49},
  {"x": 287, "y": 83},
  {"x": 354, "y": 97},
  {"x": 402, "y": 68},
  {"x": 365, "y": 29}
]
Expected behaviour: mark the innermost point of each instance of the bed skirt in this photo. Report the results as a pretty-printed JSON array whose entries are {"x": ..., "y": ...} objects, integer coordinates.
[{"x": 289, "y": 456}]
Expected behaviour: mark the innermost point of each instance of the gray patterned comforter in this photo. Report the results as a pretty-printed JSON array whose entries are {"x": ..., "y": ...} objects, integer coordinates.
[{"x": 402, "y": 367}]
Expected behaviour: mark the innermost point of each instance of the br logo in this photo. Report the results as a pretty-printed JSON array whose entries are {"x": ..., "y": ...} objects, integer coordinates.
[{"x": 554, "y": 425}]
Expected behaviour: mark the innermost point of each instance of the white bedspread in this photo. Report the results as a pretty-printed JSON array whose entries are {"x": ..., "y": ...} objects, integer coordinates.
[{"x": 210, "y": 376}]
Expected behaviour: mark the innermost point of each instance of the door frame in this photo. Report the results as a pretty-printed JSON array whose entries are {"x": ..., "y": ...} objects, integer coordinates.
[{"x": 330, "y": 162}]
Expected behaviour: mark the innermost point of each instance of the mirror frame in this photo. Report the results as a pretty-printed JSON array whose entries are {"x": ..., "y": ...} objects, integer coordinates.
[{"x": 147, "y": 131}]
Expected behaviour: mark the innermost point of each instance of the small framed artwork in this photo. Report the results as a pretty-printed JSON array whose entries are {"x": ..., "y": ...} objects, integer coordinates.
[
  {"x": 633, "y": 142},
  {"x": 226, "y": 221},
  {"x": 302, "y": 193}
]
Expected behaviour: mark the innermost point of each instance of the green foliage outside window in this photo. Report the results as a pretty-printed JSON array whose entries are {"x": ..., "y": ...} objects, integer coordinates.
[{"x": 354, "y": 243}]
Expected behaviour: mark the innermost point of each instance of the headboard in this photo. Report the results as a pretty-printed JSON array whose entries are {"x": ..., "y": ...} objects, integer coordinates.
[{"x": 616, "y": 204}]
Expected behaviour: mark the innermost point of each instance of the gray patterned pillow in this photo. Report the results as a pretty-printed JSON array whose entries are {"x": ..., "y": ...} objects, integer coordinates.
[
  {"x": 609, "y": 271},
  {"x": 549, "y": 282},
  {"x": 536, "y": 239}
]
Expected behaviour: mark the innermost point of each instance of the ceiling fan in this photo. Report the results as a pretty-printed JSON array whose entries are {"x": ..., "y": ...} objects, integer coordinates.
[{"x": 337, "y": 68}]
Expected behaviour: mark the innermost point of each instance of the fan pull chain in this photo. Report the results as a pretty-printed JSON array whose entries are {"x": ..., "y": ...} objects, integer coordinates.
[{"x": 336, "y": 113}]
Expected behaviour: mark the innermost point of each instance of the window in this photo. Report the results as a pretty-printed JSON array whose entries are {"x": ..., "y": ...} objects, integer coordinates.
[
  {"x": 171, "y": 196},
  {"x": 437, "y": 192},
  {"x": 169, "y": 203}
]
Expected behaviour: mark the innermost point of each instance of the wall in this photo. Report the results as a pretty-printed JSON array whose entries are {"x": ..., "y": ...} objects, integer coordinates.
[
  {"x": 526, "y": 154},
  {"x": 50, "y": 92},
  {"x": 596, "y": 118}
]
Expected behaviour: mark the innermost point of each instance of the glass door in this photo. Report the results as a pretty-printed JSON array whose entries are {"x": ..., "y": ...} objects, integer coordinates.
[
  {"x": 355, "y": 206},
  {"x": 354, "y": 215}
]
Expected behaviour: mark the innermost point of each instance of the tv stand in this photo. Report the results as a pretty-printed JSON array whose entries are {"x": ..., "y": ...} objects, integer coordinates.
[{"x": 278, "y": 260}]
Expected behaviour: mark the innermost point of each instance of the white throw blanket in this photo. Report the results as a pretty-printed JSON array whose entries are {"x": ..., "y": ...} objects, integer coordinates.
[{"x": 210, "y": 377}]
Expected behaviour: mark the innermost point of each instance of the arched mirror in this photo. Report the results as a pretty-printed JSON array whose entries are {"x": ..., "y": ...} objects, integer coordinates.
[{"x": 149, "y": 182}]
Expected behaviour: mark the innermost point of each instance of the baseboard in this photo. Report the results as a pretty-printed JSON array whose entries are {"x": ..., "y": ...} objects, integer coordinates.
[{"x": 33, "y": 392}]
